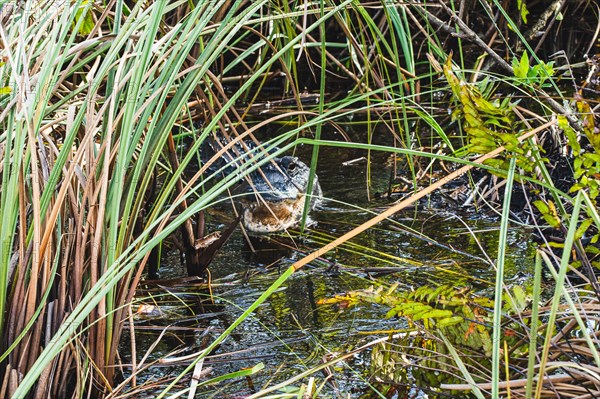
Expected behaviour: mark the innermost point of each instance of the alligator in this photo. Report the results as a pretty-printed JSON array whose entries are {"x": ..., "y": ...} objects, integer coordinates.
[{"x": 280, "y": 188}]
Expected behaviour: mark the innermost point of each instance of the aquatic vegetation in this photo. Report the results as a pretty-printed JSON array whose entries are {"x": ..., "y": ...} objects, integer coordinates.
[{"x": 105, "y": 109}]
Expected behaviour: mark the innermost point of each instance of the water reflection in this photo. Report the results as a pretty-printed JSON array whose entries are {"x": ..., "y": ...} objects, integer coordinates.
[{"x": 290, "y": 332}]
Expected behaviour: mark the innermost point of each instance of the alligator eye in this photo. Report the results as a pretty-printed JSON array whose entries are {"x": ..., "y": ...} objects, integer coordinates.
[{"x": 292, "y": 167}]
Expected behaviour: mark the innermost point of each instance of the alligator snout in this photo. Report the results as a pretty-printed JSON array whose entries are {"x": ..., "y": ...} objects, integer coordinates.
[{"x": 282, "y": 186}]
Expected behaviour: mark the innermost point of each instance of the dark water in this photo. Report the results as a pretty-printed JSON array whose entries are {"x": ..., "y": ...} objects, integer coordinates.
[{"x": 290, "y": 333}]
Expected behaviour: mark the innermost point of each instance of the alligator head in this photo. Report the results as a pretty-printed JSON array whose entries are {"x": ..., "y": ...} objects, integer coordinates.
[{"x": 282, "y": 185}]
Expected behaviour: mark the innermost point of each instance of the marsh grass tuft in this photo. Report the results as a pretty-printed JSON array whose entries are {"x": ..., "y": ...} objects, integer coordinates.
[{"x": 104, "y": 109}]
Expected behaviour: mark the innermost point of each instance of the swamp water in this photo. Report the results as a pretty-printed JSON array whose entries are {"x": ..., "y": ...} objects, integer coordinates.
[{"x": 290, "y": 333}]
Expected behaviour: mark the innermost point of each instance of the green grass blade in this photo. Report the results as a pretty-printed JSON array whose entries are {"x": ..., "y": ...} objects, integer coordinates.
[
  {"x": 534, "y": 326},
  {"x": 499, "y": 286}
]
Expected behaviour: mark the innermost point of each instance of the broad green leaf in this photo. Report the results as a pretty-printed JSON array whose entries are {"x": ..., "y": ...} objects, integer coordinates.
[
  {"x": 449, "y": 321},
  {"x": 521, "y": 68},
  {"x": 523, "y": 10},
  {"x": 521, "y": 300},
  {"x": 548, "y": 211},
  {"x": 541, "y": 206},
  {"x": 585, "y": 225},
  {"x": 594, "y": 158},
  {"x": 88, "y": 21}
]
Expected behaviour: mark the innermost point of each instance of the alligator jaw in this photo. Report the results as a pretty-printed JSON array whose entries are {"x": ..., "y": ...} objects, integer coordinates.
[{"x": 271, "y": 217}]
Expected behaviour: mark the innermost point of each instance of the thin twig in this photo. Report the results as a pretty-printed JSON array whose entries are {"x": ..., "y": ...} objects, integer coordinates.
[{"x": 467, "y": 33}]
